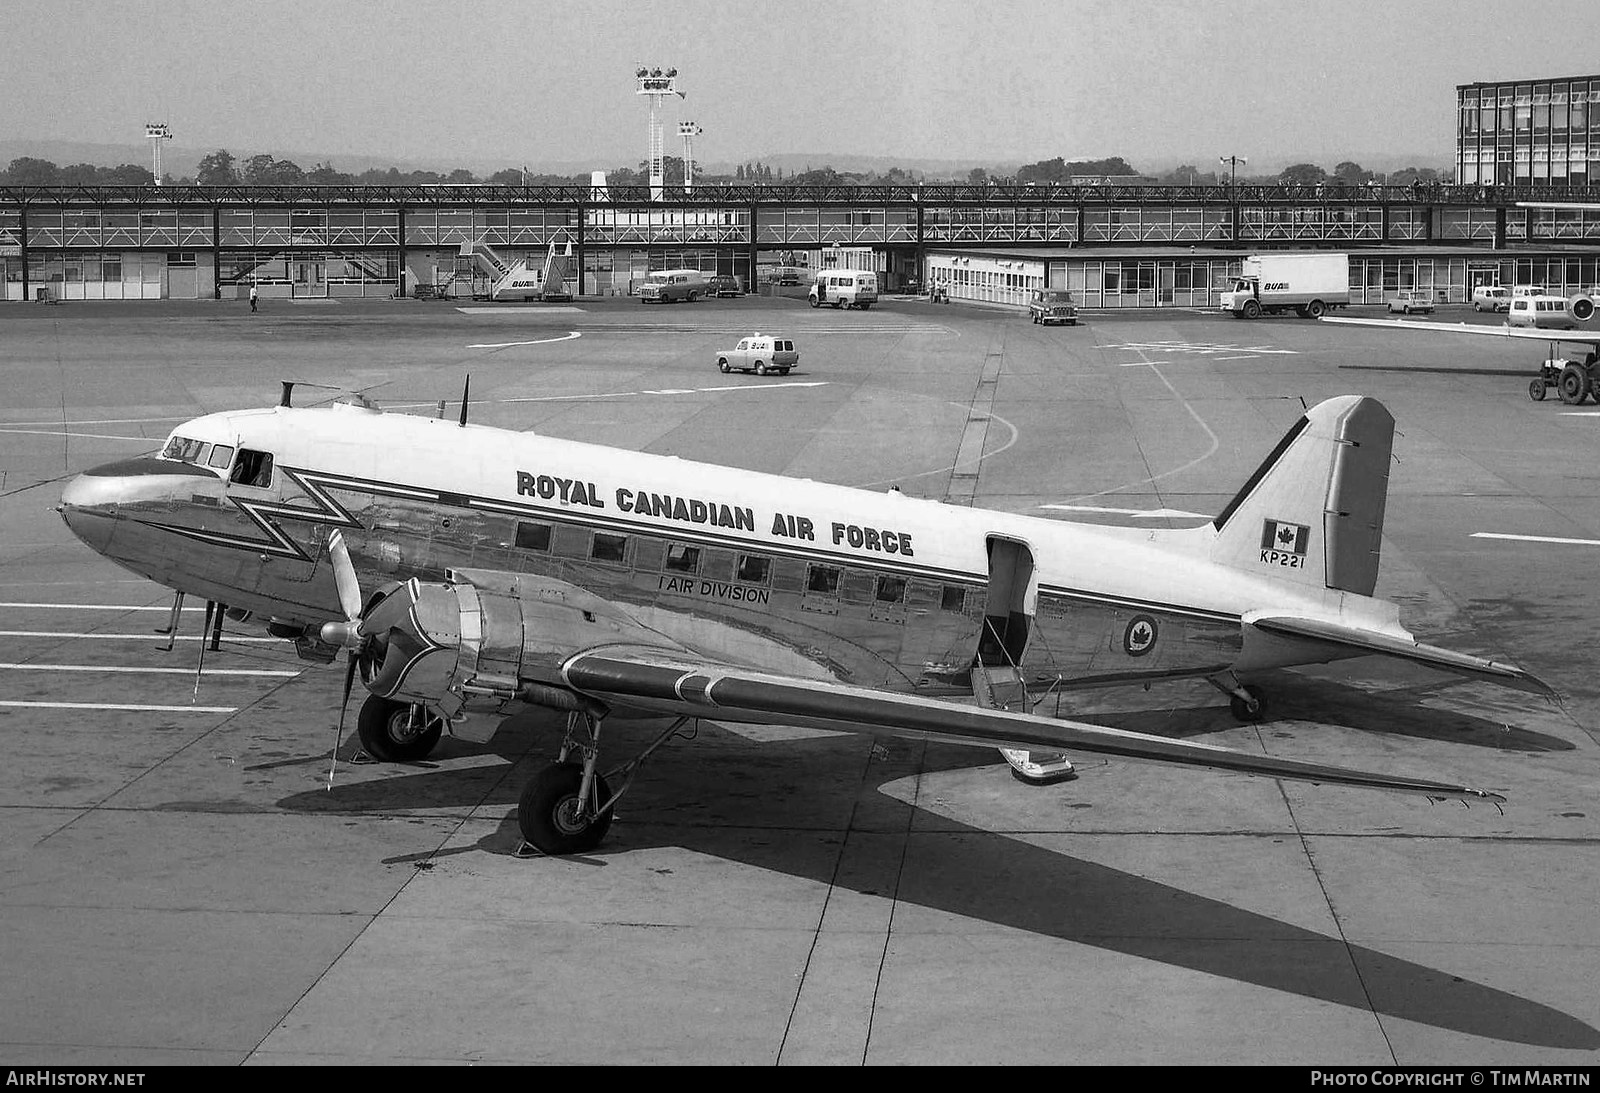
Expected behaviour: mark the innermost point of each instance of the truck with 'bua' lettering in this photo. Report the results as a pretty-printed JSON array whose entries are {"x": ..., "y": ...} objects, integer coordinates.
[{"x": 1310, "y": 284}]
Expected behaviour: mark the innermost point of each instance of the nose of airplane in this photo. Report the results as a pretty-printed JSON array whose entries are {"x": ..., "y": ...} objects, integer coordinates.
[{"x": 90, "y": 502}]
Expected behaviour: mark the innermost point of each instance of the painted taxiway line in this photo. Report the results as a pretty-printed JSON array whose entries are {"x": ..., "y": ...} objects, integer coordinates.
[
  {"x": 1138, "y": 514},
  {"x": 667, "y": 391},
  {"x": 1536, "y": 539},
  {"x": 136, "y": 708},
  {"x": 567, "y": 337},
  {"x": 1246, "y": 357},
  {"x": 163, "y": 608},
  {"x": 154, "y": 442},
  {"x": 1142, "y": 364},
  {"x": 230, "y": 638},
  {"x": 518, "y": 312},
  {"x": 95, "y": 421},
  {"x": 148, "y": 671}
]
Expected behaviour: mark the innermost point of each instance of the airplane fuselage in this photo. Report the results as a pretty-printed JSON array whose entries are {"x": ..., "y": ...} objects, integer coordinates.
[{"x": 874, "y": 588}]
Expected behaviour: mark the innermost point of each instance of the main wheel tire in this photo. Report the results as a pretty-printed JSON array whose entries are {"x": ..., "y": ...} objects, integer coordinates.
[
  {"x": 548, "y": 811},
  {"x": 724, "y": 365},
  {"x": 1253, "y": 710},
  {"x": 1252, "y": 309},
  {"x": 761, "y": 368},
  {"x": 389, "y": 733},
  {"x": 1536, "y": 390},
  {"x": 1316, "y": 309},
  {"x": 1573, "y": 385}
]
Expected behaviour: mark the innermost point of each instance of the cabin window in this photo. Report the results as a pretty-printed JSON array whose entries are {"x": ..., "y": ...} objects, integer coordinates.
[
  {"x": 221, "y": 457},
  {"x": 533, "y": 536},
  {"x": 252, "y": 468},
  {"x": 954, "y": 598},
  {"x": 608, "y": 548},
  {"x": 753, "y": 569},
  {"x": 682, "y": 559},
  {"x": 891, "y": 590},
  {"x": 823, "y": 579}
]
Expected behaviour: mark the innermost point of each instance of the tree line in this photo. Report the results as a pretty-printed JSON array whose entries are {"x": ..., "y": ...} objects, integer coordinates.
[{"x": 222, "y": 168}]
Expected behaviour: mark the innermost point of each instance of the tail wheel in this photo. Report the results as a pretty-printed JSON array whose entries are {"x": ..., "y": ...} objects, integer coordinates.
[
  {"x": 390, "y": 732},
  {"x": 1250, "y": 709},
  {"x": 1573, "y": 385},
  {"x": 554, "y": 818},
  {"x": 1536, "y": 390}
]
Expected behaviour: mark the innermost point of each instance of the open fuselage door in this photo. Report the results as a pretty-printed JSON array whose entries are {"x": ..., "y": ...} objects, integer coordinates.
[{"x": 997, "y": 679}]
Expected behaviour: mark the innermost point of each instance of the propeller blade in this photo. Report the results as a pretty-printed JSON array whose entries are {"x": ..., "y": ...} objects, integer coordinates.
[
  {"x": 344, "y": 577},
  {"x": 344, "y": 706}
]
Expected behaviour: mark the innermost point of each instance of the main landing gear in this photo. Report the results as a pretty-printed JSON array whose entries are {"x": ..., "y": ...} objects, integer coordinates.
[
  {"x": 397, "y": 732},
  {"x": 567, "y": 807},
  {"x": 1248, "y": 702}
]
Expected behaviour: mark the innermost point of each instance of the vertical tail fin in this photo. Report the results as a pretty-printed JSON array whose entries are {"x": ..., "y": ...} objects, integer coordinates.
[{"x": 1312, "y": 513}]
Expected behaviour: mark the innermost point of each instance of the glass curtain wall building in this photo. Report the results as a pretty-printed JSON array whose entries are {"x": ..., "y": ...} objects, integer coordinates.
[{"x": 1529, "y": 131}]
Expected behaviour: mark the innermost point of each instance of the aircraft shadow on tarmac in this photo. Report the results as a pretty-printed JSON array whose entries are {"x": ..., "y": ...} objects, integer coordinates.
[{"x": 965, "y": 871}]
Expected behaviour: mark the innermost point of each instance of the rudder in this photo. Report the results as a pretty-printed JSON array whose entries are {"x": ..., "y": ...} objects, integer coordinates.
[{"x": 1312, "y": 513}]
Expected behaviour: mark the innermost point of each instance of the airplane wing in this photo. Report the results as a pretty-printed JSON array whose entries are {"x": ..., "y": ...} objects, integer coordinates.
[
  {"x": 1577, "y": 337},
  {"x": 1431, "y": 656},
  {"x": 503, "y": 636}
]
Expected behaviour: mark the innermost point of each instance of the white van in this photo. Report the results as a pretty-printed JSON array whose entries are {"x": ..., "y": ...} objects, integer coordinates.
[
  {"x": 1491, "y": 298},
  {"x": 844, "y": 288},
  {"x": 663, "y": 286}
]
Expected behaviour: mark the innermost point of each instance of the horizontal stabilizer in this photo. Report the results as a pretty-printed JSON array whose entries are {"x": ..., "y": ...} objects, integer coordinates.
[
  {"x": 1371, "y": 641},
  {"x": 1576, "y": 337},
  {"x": 643, "y": 678}
]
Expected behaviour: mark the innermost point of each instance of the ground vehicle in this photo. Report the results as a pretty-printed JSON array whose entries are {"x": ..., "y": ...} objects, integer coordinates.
[
  {"x": 759, "y": 353},
  {"x": 723, "y": 284},
  {"x": 1550, "y": 312},
  {"x": 844, "y": 288},
  {"x": 663, "y": 286},
  {"x": 1310, "y": 283},
  {"x": 1411, "y": 301},
  {"x": 1572, "y": 379},
  {"x": 1491, "y": 298},
  {"x": 1052, "y": 305}
]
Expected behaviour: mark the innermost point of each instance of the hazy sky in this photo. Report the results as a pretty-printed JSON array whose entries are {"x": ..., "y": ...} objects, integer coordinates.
[{"x": 996, "y": 80}]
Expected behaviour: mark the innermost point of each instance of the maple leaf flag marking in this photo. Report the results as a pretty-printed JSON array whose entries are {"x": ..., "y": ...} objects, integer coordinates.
[{"x": 1284, "y": 544}]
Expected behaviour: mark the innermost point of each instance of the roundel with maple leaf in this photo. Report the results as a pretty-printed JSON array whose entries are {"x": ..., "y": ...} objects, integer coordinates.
[{"x": 1140, "y": 636}]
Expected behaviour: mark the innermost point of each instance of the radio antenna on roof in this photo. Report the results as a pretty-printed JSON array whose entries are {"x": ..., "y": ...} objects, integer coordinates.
[
  {"x": 466, "y": 388},
  {"x": 288, "y": 392}
]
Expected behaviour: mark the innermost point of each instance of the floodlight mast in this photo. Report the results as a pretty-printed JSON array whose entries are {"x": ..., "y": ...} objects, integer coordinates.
[
  {"x": 688, "y": 130},
  {"x": 658, "y": 85},
  {"x": 155, "y": 133}
]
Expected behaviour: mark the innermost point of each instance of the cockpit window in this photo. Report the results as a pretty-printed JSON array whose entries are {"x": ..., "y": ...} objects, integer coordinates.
[
  {"x": 252, "y": 468},
  {"x": 182, "y": 448},
  {"x": 221, "y": 456}
]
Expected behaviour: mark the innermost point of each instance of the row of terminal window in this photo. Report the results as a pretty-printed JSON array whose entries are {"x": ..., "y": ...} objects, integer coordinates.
[{"x": 821, "y": 580}]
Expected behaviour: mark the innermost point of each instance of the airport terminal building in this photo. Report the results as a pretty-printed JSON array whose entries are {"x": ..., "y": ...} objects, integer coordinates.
[
  {"x": 1117, "y": 245},
  {"x": 1538, "y": 132}
]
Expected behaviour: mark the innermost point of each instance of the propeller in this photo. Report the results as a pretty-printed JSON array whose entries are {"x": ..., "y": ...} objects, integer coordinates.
[{"x": 346, "y": 633}]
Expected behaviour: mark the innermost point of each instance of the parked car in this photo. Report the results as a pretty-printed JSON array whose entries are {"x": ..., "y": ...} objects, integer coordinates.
[
  {"x": 1491, "y": 298},
  {"x": 759, "y": 353},
  {"x": 723, "y": 284},
  {"x": 1052, "y": 305},
  {"x": 663, "y": 286},
  {"x": 1410, "y": 301}
]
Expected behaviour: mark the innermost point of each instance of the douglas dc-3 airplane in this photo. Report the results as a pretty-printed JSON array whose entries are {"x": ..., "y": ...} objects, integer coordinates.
[{"x": 520, "y": 568}]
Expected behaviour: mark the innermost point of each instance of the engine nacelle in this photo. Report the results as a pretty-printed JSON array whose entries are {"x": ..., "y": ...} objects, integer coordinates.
[
  {"x": 1581, "y": 307},
  {"x": 473, "y": 643}
]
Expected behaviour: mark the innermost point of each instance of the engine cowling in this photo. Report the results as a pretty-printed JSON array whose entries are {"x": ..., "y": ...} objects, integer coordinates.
[
  {"x": 1581, "y": 307},
  {"x": 470, "y": 645}
]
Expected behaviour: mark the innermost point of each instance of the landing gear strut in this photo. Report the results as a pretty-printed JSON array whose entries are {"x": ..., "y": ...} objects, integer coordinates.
[
  {"x": 567, "y": 807},
  {"x": 1248, "y": 702}
]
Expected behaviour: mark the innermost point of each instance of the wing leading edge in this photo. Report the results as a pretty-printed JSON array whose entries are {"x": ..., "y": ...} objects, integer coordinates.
[
  {"x": 1537, "y": 334},
  {"x": 643, "y": 678}
]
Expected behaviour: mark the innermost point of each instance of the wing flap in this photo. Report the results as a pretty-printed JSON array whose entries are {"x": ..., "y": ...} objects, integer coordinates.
[
  {"x": 1371, "y": 641},
  {"x": 680, "y": 685}
]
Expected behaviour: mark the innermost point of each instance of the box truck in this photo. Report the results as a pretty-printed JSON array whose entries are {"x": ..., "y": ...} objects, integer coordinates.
[{"x": 1308, "y": 283}]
